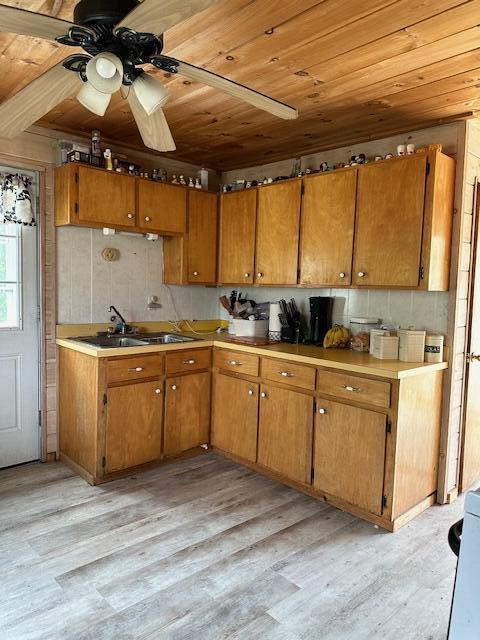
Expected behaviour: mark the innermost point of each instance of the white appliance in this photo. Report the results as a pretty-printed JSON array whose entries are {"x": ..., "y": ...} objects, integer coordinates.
[{"x": 465, "y": 616}]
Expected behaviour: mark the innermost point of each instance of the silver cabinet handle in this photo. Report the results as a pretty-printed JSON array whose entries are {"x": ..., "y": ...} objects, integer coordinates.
[
  {"x": 235, "y": 363},
  {"x": 158, "y": 391},
  {"x": 361, "y": 274},
  {"x": 348, "y": 387},
  {"x": 246, "y": 274},
  {"x": 195, "y": 273},
  {"x": 322, "y": 410},
  {"x": 136, "y": 369},
  {"x": 250, "y": 392},
  {"x": 130, "y": 216},
  {"x": 189, "y": 362},
  {"x": 173, "y": 387},
  {"x": 263, "y": 394},
  {"x": 342, "y": 274},
  {"x": 147, "y": 219},
  {"x": 286, "y": 374}
]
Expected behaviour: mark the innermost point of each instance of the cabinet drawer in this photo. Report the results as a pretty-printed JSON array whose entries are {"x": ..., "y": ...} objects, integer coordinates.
[
  {"x": 236, "y": 361},
  {"x": 295, "y": 375},
  {"x": 350, "y": 387},
  {"x": 188, "y": 360},
  {"x": 134, "y": 368}
]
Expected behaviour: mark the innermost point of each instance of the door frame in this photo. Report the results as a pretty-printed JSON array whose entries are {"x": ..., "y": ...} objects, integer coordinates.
[{"x": 475, "y": 249}]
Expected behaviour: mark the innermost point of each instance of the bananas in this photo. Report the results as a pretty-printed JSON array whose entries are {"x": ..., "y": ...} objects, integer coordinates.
[{"x": 336, "y": 337}]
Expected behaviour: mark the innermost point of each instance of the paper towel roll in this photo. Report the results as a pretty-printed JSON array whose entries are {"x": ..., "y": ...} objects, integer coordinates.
[{"x": 274, "y": 324}]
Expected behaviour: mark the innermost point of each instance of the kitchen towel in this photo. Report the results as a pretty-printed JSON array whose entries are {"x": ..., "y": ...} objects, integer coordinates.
[{"x": 274, "y": 325}]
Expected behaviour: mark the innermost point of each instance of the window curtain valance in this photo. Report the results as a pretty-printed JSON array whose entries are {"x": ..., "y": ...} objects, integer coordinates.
[{"x": 16, "y": 199}]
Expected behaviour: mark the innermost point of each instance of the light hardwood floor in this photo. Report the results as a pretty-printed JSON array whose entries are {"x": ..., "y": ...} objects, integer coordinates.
[{"x": 206, "y": 549}]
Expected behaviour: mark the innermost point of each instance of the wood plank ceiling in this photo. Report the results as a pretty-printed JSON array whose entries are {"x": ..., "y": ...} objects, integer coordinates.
[{"x": 355, "y": 69}]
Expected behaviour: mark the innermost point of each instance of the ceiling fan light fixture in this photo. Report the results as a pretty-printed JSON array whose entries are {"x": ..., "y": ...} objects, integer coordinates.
[
  {"x": 98, "y": 70},
  {"x": 150, "y": 93},
  {"x": 93, "y": 100}
]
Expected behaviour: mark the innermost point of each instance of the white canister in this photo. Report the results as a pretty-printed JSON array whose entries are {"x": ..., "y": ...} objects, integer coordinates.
[
  {"x": 377, "y": 332},
  {"x": 434, "y": 347},
  {"x": 412, "y": 345},
  {"x": 385, "y": 347},
  {"x": 274, "y": 324}
]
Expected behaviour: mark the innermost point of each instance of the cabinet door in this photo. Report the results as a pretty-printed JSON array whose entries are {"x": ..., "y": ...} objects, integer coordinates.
[
  {"x": 202, "y": 237},
  {"x": 187, "y": 412},
  {"x": 235, "y": 416},
  {"x": 285, "y": 432},
  {"x": 349, "y": 454},
  {"x": 105, "y": 198},
  {"x": 326, "y": 230},
  {"x": 238, "y": 212},
  {"x": 162, "y": 208},
  {"x": 389, "y": 222},
  {"x": 134, "y": 425},
  {"x": 278, "y": 228}
]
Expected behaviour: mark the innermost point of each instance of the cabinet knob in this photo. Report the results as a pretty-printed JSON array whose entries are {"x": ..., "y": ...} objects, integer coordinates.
[
  {"x": 158, "y": 391},
  {"x": 361, "y": 274},
  {"x": 246, "y": 274},
  {"x": 341, "y": 274},
  {"x": 130, "y": 216},
  {"x": 147, "y": 219},
  {"x": 348, "y": 387},
  {"x": 263, "y": 394},
  {"x": 259, "y": 274},
  {"x": 195, "y": 273},
  {"x": 189, "y": 362},
  {"x": 136, "y": 369},
  {"x": 250, "y": 392},
  {"x": 173, "y": 387},
  {"x": 322, "y": 410}
]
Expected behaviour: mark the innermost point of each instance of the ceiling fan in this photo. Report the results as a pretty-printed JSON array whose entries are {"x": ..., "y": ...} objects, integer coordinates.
[{"x": 118, "y": 37}]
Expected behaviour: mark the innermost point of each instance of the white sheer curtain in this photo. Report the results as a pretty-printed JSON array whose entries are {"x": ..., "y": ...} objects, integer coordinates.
[{"x": 16, "y": 199}]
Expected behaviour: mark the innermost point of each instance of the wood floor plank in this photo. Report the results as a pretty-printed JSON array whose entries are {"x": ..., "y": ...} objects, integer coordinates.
[{"x": 206, "y": 549}]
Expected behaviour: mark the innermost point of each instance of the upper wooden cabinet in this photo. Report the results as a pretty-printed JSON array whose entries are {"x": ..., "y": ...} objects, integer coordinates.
[
  {"x": 238, "y": 213},
  {"x": 278, "y": 216},
  {"x": 327, "y": 228},
  {"x": 161, "y": 207},
  {"x": 192, "y": 258},
  {"x": 389, "y": 222},
  {"x": 92, "y": 197},
  {"x": 404, "y": 222}
]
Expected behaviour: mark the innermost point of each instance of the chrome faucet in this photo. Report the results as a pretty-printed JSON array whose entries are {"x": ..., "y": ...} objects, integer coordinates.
[{"x": 124, "y": 324}]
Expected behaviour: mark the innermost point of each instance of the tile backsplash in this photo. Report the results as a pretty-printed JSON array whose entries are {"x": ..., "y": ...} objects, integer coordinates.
[
  {"x": 421, "y": 309},
  {"x": 87, "y": 285}
]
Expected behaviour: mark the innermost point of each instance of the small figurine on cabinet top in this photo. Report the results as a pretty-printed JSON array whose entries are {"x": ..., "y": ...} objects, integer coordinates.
[
  {"x": 174, "y": 178},
  {"x": 401, "y": 150},
  {"x": 182, "y": 180},
  {"x": 107, "y": 154},
  {"x": 410, "y": 149},
  {"x": 190, "y": 182},
  {"x": 324, "y": 166},
  {"x": 388, "y": 156},
  {"x": 197, "y": 183}
]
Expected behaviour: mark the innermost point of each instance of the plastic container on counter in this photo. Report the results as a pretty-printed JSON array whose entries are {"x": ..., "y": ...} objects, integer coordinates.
[{"x": 360, "y": 329}]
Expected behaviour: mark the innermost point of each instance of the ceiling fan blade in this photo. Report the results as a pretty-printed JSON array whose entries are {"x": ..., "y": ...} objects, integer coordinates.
[
  {"x": 36, "y": 99},
  {"x": 154, "y": 129},
  {"x": 154, "y": 16},
  {"x": 234, "y": 89},
  {"x": 29, "y": 23}
]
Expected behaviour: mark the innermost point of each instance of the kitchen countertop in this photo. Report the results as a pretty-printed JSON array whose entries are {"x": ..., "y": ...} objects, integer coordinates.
[{"x": 342, "y": 359}]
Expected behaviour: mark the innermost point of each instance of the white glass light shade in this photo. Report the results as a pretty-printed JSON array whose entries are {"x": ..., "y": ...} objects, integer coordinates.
[
  {"x": 104, "y": 61},
  {"x": 93, "y": 100},
  {"x": 150, "y": 93}
]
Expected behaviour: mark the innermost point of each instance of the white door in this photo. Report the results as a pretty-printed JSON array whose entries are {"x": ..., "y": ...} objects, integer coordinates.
[{"x": 19, "y": 341}]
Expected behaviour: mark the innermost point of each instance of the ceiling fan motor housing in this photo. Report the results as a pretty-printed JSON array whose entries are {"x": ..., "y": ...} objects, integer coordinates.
[{"x": 88, "y": 12}]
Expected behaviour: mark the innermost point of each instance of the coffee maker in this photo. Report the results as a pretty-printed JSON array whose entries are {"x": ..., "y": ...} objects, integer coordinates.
[{"x": 320, "y": 319}]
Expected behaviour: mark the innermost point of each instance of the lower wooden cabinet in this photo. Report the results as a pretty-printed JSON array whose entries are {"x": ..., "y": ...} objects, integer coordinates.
[
  {"x": 187, "y": 412},
  {"x": 349, "y": 454},
  {"x": 235, "y": 416},
  {"x": 133, "y": 430},
  {"x": 285, "y": 432}
]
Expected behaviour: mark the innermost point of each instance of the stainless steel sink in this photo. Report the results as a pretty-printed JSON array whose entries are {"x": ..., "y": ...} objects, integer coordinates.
[{"x": 139, "y": 340}]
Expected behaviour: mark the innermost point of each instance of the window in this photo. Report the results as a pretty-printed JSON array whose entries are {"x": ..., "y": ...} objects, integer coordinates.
[{"x": 10, "y": 276}]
